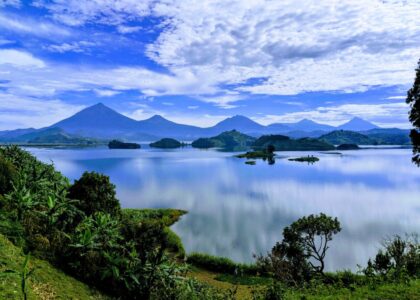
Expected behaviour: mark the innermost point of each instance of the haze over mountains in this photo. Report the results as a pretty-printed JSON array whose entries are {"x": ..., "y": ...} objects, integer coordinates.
[{"x": 101, "y": 122}]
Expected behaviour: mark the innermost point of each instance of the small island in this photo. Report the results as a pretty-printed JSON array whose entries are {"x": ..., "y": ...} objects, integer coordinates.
[
  {"x": 348, "y": 147},
  {"x": 115, "y": 144},
  {"x": 167, "y": 143},
  {"x": 309, "y": 159}
]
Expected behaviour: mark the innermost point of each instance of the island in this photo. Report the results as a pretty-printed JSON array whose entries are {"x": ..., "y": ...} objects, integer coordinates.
[
  {"x": 285, "y": 143},
  {"x": 227, "y": 140},
  {"x": 115, "y": 144},
  {"x": 348, "y": 147},
  {"x": 309, "y": 159},
  {"x": 167, "y": 143}
]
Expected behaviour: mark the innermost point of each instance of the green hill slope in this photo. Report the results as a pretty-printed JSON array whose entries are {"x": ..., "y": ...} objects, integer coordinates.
[
  {"x": 338, "y": 137},
  {"x": 46, "y": 282}
]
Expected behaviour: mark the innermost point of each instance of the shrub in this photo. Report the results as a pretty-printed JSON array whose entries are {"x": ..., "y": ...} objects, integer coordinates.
[{"x": 95, "y": 193}]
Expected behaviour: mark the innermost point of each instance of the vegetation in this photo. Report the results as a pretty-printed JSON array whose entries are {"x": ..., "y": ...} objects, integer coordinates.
[
  {"x": 255, "y": 154},
  {"x": 91, "y": 237},
  {"x": 167, "y": 143},
  {"x": 284, "y": 143},
  {"x": 115, "y": 144},
  {"x": 227, "y": 140},
  {"x": 251, "y": 162},
  {"x": 348, "y": 147},
  {"x": 309, "y": 159},
  {"x": 413, "y": 99}
]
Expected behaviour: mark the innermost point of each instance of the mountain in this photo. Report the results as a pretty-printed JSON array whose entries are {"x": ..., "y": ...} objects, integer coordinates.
[
  {"x": 161, "y": 127},
  {"x": 101, "y": 122},
  {"x": 52, "y": 135},
  {"x": 309, "y": 125},
  {"x": 98, "y": 121},
  {"x": 357, "y": 124},
  {"x": 339, "y": 137},
  {"x": 239, "y": 123},
  {"x": 8, "y": 135}
]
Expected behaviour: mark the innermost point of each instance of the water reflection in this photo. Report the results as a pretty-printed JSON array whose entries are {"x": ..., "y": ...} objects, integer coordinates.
[{"x": 236, "y": 210}]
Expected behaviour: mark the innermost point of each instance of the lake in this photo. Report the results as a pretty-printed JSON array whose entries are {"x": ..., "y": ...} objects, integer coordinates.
[{"x": 236, "y": 210}]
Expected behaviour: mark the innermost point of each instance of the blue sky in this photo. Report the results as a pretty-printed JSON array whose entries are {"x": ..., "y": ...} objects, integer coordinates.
[{"x": 200, "y": 62}]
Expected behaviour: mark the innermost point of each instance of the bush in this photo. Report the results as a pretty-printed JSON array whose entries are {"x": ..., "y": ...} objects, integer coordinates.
[{"x": 95, "y": 194}]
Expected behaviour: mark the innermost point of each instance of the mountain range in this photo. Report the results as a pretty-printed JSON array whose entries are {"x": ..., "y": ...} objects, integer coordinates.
[{"x": 101, "y": 122}]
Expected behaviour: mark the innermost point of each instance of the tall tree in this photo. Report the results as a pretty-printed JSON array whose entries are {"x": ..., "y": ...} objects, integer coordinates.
[{"x": 413, "y": 99}]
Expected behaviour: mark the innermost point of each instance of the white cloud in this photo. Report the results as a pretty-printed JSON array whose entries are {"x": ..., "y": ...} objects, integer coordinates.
[
  {"x": 15, "y": 3},
  {"x": 106, "y": 93},
  {"x": 31, "y": 26},
  {"x": 128, "y": 29},
  {"x": 19, "y": 59},
  {"x": 296, "y": 45},
  {"x": 397, "y": 97},
  {"x": 24, "y": 112},
  {"x": 77, "y": 47},
  {"x": 391, "y": 114}
]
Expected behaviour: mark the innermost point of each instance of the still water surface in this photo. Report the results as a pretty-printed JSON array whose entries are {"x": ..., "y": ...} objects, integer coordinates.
[{"x": 236, "y": 210}]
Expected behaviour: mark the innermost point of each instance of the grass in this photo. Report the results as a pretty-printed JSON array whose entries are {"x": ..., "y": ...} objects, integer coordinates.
[
  {"x": 46, "y": 282},
  {"x": 245, "y": 285},
  {"x": 220, "y": 264},
  {"x": 243, "y": 280}
]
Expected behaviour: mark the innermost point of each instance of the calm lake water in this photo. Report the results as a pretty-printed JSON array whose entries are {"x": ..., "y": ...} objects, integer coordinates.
[{"x": 236, "y": 210}]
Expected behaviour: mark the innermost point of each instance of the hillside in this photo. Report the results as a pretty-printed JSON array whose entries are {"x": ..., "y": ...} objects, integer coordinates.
[
  {"x": 52, "y": 135},
  {"x": 339, "y": 137},
  {"x": 46, "y": 282},
  {"x": 226, "y": 140},
  {"x": 284, "y": 143}
]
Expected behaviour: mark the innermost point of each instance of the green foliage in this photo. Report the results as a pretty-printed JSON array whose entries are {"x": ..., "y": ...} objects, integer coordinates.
[
  {"x": 95, "y": 193},
  {"x": 220, "y": 264},
  {"x": 413, "y": 99},
  {"x": 399, "y": 259}
]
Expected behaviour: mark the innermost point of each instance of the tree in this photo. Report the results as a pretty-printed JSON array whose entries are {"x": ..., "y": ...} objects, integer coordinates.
[
  {"x": 95, "y": 193},
  {"x": 312, "y": 234},
  {"x": 413, "y": 99}
]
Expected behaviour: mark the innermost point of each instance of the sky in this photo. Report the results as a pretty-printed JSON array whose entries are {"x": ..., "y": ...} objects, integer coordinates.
[{"x": 198, "y": 62}]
